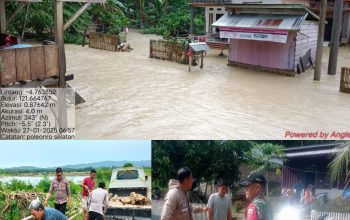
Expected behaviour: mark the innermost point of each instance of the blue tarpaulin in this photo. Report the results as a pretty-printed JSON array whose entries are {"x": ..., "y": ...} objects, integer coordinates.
[{"x": 16, "y": 46}]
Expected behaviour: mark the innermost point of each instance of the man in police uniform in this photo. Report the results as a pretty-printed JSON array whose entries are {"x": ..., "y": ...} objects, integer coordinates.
[
  {"x": 60, "y": 187},
  {"x": 257, "y": 209},
  {"x": 177, "y": 205}
]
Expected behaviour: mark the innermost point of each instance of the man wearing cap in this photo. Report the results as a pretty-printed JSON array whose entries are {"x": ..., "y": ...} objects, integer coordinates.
[
  {"x": 254, "y": 192},
  {"x": 60, "y": 187},
  {"x": 219, "y": 204},
  {"x": 177, "y": 205},
  {"x": 43, "y": 213}
]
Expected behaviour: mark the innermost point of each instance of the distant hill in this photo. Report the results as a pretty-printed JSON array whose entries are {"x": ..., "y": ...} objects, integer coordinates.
[
  {"x": 23, "y": 168},
  {"x": 140, "y": 163},
  {"x": 81, "y": 167}
]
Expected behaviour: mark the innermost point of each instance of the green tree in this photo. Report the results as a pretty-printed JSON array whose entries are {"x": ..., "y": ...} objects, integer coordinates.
[
  {"x": 44, "y": 185},
  {"x": 208, "y": 160},
  {"x": 128, "y": 165},
  {"x": 112, "y": 15},
  {"x": 266, "y": 157},
  {"x": 18, "y": 185},
  {"x": 341, "y": 163},
  {"x": 104, "y": 175}
]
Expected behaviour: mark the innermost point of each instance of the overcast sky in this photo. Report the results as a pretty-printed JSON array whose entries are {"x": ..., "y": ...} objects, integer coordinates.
[{"x": 60, "y": 153}]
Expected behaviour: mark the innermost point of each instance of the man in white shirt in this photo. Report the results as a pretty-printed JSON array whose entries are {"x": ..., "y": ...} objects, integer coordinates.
[
  {"x": 219, "y": 204},
  {"x": 98, "y": 199}
]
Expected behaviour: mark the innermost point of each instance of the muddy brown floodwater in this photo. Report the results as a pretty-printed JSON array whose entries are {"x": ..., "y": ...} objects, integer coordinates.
[{"x": 131, "y": 96}]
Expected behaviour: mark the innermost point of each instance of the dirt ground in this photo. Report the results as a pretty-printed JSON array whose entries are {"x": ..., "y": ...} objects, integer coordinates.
[{"x": 130, "y": 95}]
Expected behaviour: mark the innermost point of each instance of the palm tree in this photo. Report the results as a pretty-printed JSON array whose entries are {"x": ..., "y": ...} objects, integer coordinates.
[
  {"x": 157, "y": 8},
  {"x": 341, "y": 163},
  {"x": 130, "y": 8}
]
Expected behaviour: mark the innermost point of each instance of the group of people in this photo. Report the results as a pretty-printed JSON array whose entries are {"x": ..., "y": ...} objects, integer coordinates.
[
  {"x": 219, "y": 207},
  {"x": 300, "y": 196},
  {"x": 93, "y": 200}
]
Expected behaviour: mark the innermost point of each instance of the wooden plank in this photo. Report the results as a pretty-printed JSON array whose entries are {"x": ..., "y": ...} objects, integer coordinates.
[
  {"x": 23, "y": 64},
  {"x": 302, "y": 69},
  {"x": 151, "y": 48},
  {"x": 2, "y": 17},
  {"x": 59, "y": 40},
  {"x": 49, "y": 82},
  {"x": 51, "y": 60},
  {"x": 345, "y": 80},
  {"x": 103, "y": 41},
  {"x": 298, "y": 68},
  {"x": 306, "y": 58},
  {"x": 37, "y": 63},
  {"x": 8, "y": 73}
]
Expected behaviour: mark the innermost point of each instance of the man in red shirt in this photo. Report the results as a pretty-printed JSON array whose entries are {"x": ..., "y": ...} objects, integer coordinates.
[{"x": 88, "y": 185}]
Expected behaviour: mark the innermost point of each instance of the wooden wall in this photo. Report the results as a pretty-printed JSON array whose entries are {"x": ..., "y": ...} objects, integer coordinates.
[
  {"x": 103, "y": 41},
  {"x": 305, "y": 2},
  {"x": 24, "y": 64},
  {"x": 306, "y": 40},
  {"x": 263, "y": 53},
  {"x": 345, "y": 80},
  {"x": 346, "y": 28},
  {"x": 167, "y": 50}
]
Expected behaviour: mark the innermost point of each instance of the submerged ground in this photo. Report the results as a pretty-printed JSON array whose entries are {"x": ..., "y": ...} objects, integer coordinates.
[{"x": 131, "y": 96}]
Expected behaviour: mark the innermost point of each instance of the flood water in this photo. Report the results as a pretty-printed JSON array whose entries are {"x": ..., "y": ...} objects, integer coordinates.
[
  {"x": 34, "y": 180},
  {"x": 131, "y": 96}
]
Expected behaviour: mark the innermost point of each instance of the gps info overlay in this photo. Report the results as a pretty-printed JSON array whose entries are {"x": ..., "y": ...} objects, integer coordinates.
[{"x": 37, "y": 113}]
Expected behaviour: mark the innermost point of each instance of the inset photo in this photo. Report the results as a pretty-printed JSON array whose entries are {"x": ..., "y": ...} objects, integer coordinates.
[
  {"x": 75, "y": 180},
  {"x": 250, "y": 180}
]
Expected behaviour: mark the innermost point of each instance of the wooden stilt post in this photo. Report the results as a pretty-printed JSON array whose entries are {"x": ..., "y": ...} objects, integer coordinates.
[
  {"x": 84, "y": 38},
  {"x": 201, "y": 66},
  {"x": 192, "y": 20},
  {"x": 59, "y": 39},
  {"x": 319, "y": 52},
  {"x": 337, "y": 21},
  {"x": 151, "y": 48},
  {"x": 2, "y": 16},
  {"x": 189, "y": 63}
]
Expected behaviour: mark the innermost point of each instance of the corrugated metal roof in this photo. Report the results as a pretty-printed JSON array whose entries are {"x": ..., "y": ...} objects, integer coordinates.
[
  {"x": 312, "y": 147},
  {"x": 199, "y": 47},
  {"x": 295, "y": 7},
  {"x": 128, "y": 183},
  {"x": 275, "y": 22},
  {"x": 312, "y": 153}
]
